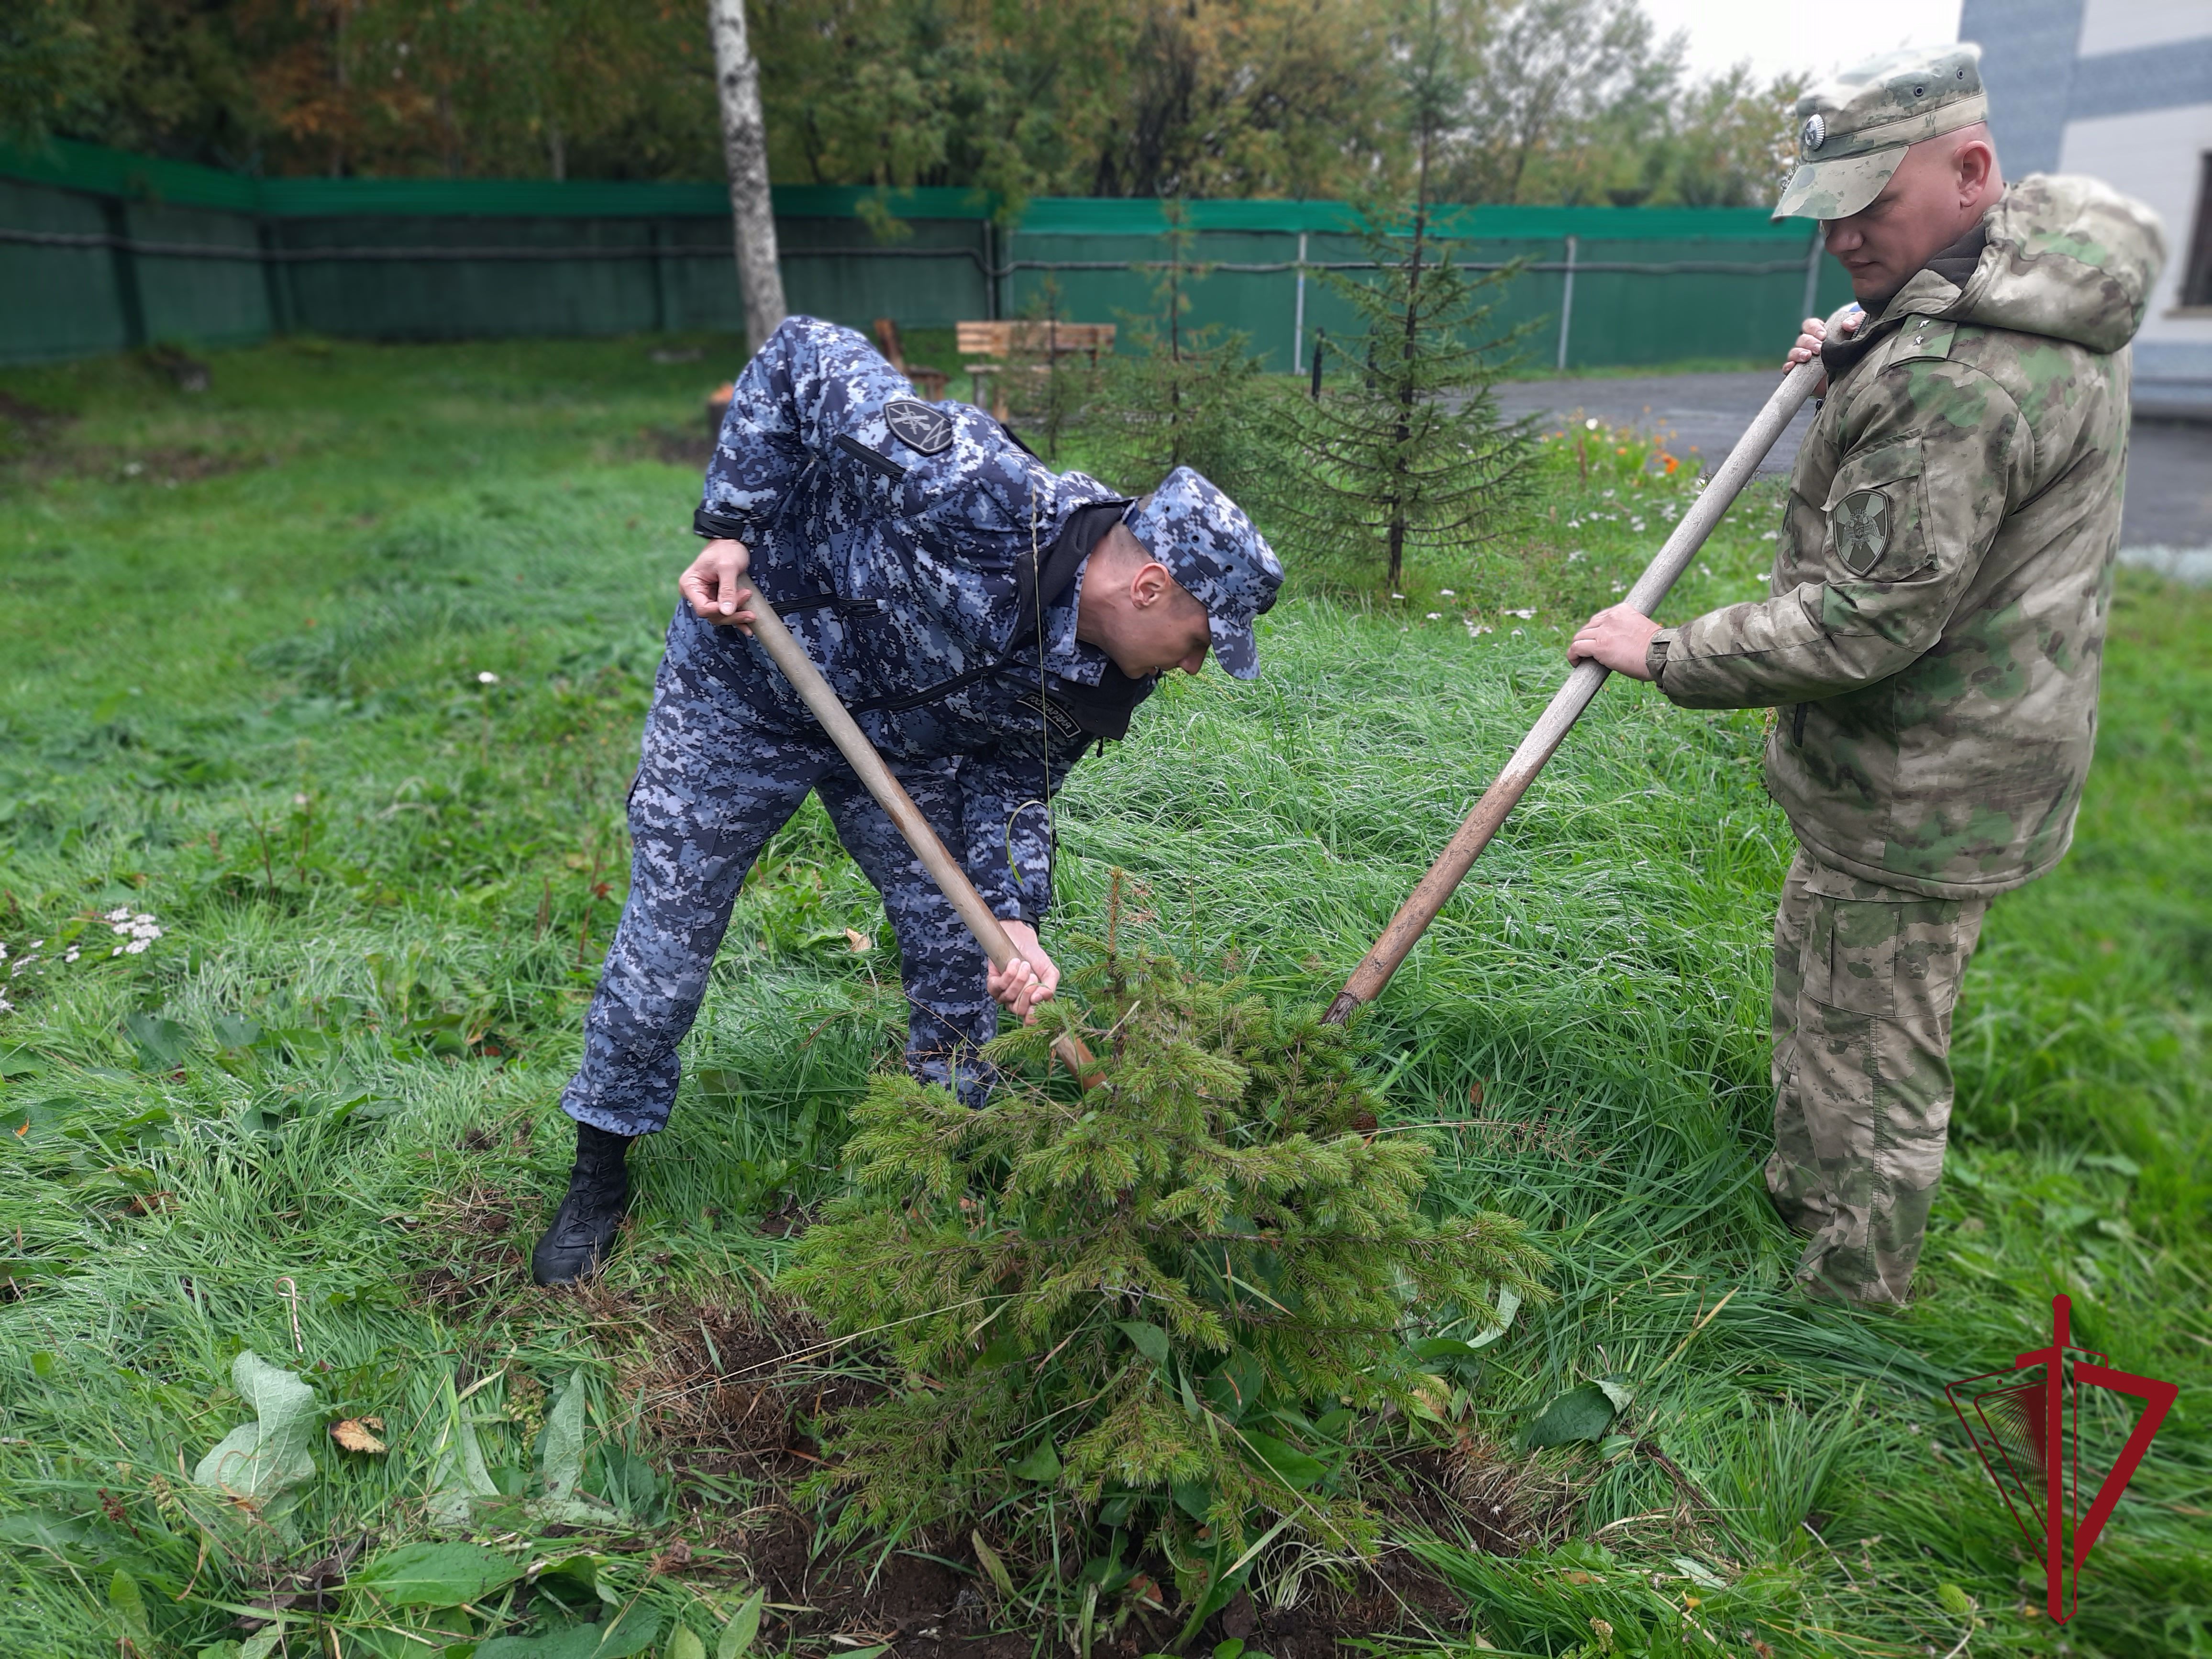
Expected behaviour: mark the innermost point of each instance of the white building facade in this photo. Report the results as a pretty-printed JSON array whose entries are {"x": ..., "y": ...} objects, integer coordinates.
[{"x": 2120, "y": 89}]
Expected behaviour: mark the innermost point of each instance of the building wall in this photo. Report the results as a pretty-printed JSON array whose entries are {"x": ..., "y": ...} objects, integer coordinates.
[{"x": 2120, "y": 89}]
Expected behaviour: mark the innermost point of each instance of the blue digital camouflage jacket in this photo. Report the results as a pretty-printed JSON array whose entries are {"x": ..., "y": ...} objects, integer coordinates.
[{"x": 892, "y": 545}]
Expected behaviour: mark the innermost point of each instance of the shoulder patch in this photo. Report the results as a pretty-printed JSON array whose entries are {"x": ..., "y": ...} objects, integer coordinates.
[
  {"x": 918, "y": 426},
  {"x": 1860, "y": 523}
]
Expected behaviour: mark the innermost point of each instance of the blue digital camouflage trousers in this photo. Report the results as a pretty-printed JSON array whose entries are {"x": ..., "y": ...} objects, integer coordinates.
[{"x": 716, "y": 780}]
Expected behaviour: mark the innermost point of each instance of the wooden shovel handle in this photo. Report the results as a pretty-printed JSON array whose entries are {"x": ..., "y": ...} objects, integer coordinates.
[
  {"x": 890, "y": 794},
  {"x": 1435, "y": 889}
]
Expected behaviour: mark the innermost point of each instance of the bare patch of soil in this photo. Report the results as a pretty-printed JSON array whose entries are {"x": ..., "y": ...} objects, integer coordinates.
[
  {"x": 739, "y": 1386},
  {"x": 933, "y": 1602}
]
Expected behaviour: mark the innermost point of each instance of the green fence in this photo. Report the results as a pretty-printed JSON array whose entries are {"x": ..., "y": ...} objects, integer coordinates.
[{"x": 102, "y": 250}]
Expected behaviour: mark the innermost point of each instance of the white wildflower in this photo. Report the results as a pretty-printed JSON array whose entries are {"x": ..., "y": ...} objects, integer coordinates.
[
  {"x": 6, "y": 1006},
  {"x": 71, "y": 955},
  {"x": 1608, "y": 495},
  {"x": 1590, "y": 424},
  {"x": 1620, "y": 587},
  {"x": 1447, "y": 592},
  {"x": 121, "y": 912},
  {"x": 485, "y": 677},
  {"x": 138, "y": 944},
  {"x": 36, "y": 944},
  {"x": 300, "y": 799},
  {"x": 1577, "y": 556},
  {"x": 1516, "y": 633},
  {"x": 1397, "y": 595},
  {"x": 1475, "y": 630},
  {"x": 1435, "y": 616}
]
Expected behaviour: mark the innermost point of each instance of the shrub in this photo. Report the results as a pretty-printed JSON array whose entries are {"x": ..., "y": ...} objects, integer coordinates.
[{"x": 1170, "y": 1298}]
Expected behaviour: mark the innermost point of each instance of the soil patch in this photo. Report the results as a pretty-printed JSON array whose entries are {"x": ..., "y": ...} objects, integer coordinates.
[{"x": 933, "y": 1601}]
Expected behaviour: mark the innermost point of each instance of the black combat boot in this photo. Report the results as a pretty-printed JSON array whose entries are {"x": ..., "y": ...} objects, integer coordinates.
[{"x": 584, "y": 1228}]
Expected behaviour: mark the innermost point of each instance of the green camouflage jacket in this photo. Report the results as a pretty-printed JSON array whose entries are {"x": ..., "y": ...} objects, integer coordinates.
[{"x": 1944, "y": 566}]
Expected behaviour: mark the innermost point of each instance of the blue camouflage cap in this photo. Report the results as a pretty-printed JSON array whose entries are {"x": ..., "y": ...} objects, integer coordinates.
[{"x": 1217, "y": 554}]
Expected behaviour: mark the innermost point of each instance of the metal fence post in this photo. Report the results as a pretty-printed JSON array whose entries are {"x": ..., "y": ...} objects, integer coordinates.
[
  {"x": 1567, "y": 306},
  {"x": 1298, "y": 315},
  {"x": 128, "y": 302},
  {"x": 1812, "y": 275}
]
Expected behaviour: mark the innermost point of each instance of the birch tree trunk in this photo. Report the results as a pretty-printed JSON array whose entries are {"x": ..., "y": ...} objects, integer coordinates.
[{"x": 744, "y": 147}]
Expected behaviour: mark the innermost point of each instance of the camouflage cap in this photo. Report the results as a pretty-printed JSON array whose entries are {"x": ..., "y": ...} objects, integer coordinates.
[
  {"x": 1217, "y": 554},
  {"x": 1854, "y": 130}
]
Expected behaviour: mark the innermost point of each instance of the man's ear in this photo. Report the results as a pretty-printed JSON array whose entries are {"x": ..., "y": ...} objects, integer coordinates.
[
  {"x": 1151, "y": 583},
  {"x": 1977, "y": 163}
]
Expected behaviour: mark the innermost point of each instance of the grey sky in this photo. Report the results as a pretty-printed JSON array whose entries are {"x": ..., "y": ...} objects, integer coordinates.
[{"x": 1780, "y": 35}]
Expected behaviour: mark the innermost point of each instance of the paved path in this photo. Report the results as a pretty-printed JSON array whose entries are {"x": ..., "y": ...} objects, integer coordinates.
[{"x": 2169, "y": 473}]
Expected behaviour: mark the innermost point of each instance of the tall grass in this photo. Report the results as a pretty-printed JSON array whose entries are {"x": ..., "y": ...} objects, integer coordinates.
[{"x": 250, "y": 705}]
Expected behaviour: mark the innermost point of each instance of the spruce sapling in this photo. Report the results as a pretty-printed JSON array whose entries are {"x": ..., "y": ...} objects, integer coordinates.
[
  {"x": 1187, "y": 397},
  {"x": 1407, "y": 452},
  {"x": 1173, "y": 1298}
]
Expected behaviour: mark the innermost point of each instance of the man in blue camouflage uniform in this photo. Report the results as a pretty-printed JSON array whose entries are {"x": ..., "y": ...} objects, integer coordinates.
[{"x": 985, "y": 619}]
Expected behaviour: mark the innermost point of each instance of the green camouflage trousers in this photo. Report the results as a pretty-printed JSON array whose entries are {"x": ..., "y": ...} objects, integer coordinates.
[{"x": 1865, "y": 977}]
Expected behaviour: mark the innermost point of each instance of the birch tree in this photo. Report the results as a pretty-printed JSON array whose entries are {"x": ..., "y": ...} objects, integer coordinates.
[{"x": 744, "y": 149}]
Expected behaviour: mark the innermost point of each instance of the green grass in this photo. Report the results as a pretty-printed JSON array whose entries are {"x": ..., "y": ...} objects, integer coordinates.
[{"x": 249, "y": 704}]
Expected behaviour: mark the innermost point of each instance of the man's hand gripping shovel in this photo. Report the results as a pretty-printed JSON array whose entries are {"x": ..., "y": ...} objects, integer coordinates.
[{"x": 1567, "y": 704}]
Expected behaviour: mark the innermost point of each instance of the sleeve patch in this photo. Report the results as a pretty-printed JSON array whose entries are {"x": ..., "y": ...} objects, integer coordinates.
[{"x": 918, "y": 426}]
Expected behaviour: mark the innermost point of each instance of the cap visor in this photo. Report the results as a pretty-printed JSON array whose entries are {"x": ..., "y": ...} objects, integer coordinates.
[
  {"x": 1236, "y": 650},
  {"x": 1836, "y": 189}
]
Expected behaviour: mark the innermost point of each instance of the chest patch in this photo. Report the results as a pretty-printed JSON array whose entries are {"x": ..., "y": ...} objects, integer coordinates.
[
  {"x": 1860, "y": 524},
  {"x": 918, "y": 426},
  {"x": 1056, "y": 714}
]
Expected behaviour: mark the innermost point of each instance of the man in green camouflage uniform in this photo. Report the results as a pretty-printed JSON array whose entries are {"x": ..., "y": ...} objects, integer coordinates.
[{"x": 1936, "y": 620}]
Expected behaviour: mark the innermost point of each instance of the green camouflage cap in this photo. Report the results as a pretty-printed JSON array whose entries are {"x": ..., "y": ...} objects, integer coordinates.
[{"x": 1854, "y": 130}]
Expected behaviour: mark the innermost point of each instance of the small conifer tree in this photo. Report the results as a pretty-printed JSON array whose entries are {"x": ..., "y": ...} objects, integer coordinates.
[
  {"x": 1169, "y": 1299},
  {"x": 1408, "y": 450},
  {"x": 1187, "y": 397},
  {"x": 1049, "y": 385}
]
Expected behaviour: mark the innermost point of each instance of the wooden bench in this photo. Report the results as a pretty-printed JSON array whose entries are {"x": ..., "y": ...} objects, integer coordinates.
[
  {"x": 930, "y": 382},
  {"x": 999, "y": 342}
]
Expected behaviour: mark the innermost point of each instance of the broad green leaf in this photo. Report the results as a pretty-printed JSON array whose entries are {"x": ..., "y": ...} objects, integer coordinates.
[
  {"x": 1041, "y": 1465},
  {"x": 458, "y": 1475},
  {"x": 1956, "y": 1602},
  {"x": 1580, "y": 1413},
  {"x": 262, "y": 1644},
  {"x": 161, "y": 1043},
  {"x": 737, "y": 1639},
  {"x": 1293, "y": 1467},
  {"x": 1149, "y": 1339},
  {"x": 265, "y": 1459},
  {"x": 561, "y": 1450},
  {"x": 1619, "y": 1393},
  {"x": 561, "y": 1446},
  {"x": 437, "y": 1575},
  {"x": 619, "y": 1638},
  {"x": 683, "y": 1643},
  {"x": 235, "y": 1033},
  {"x": 128, "y": 1604}
]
